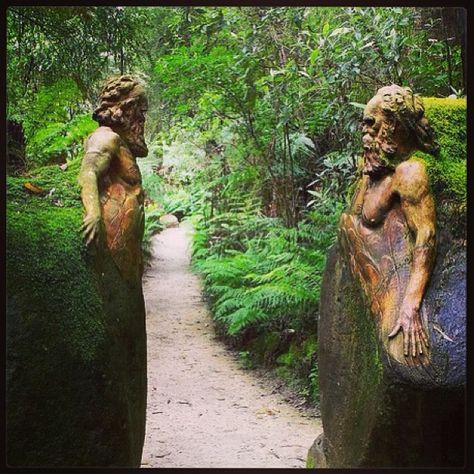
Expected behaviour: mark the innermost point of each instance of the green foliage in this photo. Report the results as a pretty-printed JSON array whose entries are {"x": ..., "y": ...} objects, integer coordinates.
[
  {"x": 52, "y": 103},
  {"x": 54, "y": 125},
  {"x": 152, "y": 227},
  {"x": 284, "y": 78},
  {"x": 245, "y": 360},
  {"x": 298, "y": 366},
  {"x": 43, "y": 47},
  {"x": 153, "y": 185},
  {"x": 60, "y": 140},
  {"x": 273, "y": 279}
]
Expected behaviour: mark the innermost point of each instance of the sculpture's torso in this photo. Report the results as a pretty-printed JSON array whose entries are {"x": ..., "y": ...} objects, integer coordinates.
[
  {"x": 375, "y": 236},
  {"x": 378, "y": 199},
  {"x": 121, "y": 198}
]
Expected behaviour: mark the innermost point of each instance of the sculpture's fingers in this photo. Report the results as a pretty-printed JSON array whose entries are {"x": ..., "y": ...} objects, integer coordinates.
[
  {"x": 92, "y": 235},
  {"x": 87, "y": 224},
  {"x": 406, "y": 341},
  {"x": 417, "y": 346},
  {"x": 420, "y": 342},
  {"x": 86, "y": 231},
  {"x": 395, "y": 331},
  {"x": 413, "y": 342},
  {"x": 424, "y": 336},
  {"x": 422, "y": 339}
]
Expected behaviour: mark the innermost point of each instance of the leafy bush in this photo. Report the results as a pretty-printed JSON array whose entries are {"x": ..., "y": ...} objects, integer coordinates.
[
  {"x": 61, "y": 140},
  {"x": 56, "y": 124},
  {"x": 152, "y": 227},
  {"x": 258, "y": 272}
]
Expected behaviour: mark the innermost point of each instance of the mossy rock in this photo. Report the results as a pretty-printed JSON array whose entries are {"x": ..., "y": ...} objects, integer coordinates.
[
  {"x": 372, "y": 414},
  {"x": 448, "y": 170},
  {"x": 76, "y": 360}
]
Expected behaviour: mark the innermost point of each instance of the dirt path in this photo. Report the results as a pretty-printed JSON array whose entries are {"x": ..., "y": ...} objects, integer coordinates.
[{"x": 204, "y": 410}]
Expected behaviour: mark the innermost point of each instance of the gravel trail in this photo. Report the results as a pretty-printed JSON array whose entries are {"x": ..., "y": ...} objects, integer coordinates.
[{"x": 205, "y": 410}]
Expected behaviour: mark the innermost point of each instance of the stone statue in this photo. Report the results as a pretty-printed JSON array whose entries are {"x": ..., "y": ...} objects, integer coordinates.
[
  {"x": 113, "y": 225},
  {"x": 391, "y": 329},
  {"x": 389, "y": 230},
  {"x": 110, "y": 178}
]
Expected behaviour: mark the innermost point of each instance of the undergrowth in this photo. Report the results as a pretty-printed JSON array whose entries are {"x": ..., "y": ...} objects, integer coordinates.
[{"x": 262, "y": 281}]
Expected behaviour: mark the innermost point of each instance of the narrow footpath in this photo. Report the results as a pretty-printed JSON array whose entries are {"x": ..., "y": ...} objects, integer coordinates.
[{"x": 205, "y": 410}]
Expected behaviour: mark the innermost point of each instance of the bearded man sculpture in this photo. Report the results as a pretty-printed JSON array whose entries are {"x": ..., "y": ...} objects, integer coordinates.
[
  {"x": 390, "y": 331},
  {"x": 113, "y": 230},
  {"x": 110, "y": 178},
  {"x": 389, "y": 230}
]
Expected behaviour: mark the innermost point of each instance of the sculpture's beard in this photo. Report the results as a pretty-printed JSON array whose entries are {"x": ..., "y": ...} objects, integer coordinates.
[
  {"x": 376, "y": 164},
  {"x": 134, "y": 137},
  {"x": 138, "y": 147}
]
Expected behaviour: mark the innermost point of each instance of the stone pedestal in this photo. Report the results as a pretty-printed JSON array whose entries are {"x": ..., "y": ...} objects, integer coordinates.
[{"x": 376, "y": 411}]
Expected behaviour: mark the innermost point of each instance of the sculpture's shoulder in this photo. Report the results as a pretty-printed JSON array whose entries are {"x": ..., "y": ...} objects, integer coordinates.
[
  {"x": 410, "y": 179},
  {"x": 410, "y": 167},
  {"x": 103, "y": 140}
]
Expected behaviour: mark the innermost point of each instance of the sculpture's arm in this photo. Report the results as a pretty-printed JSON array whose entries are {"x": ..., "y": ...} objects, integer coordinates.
[
  {"x": 412, "y": 184},
  {"x": 100, "y": 148}
]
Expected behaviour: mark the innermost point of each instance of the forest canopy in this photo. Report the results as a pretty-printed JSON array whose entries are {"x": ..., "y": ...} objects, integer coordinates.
[{"x": 274, "y": 73}]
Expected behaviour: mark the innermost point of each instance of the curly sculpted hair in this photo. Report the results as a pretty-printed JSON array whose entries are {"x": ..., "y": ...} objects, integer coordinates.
[
  {"x": 399, "y": 104},
  {"x": 118, "y": 95}
]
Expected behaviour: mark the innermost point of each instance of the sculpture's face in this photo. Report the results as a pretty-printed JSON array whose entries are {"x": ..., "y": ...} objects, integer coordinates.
[
  {"x": 371, "y": 123},
  {"x": 133, "y": 131},
  {"x": 389, "y": 135},
  {"x": 377, "y": 139}
]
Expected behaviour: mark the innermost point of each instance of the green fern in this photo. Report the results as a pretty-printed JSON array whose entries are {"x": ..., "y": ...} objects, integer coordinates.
[{"x": 275, "y": 278}]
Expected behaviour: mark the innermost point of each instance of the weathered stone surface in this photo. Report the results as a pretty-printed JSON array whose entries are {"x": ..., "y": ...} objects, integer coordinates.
[
  {"x": 377, "y": 412},
  {"x": 168, "y": 220}
]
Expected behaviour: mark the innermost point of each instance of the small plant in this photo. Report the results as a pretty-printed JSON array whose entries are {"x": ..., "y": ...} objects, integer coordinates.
[
  {"x": 245, "y": 360},
  {"x": 152, "y": 227}
]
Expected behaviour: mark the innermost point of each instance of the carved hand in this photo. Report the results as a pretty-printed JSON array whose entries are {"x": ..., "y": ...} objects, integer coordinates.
[
  {"x": 414, "y": 335},
  {"x": 92, "y": 227}
]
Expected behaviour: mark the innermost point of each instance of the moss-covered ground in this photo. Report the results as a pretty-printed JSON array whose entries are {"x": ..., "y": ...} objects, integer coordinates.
[{"x": 47, "y": 259}]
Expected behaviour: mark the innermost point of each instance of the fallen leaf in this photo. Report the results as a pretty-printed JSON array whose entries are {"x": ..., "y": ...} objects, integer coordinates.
[{"x": 33, "y": 188}]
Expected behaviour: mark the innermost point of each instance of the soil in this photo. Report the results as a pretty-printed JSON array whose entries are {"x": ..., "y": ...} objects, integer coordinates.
[{"x": 205, "y": 409}]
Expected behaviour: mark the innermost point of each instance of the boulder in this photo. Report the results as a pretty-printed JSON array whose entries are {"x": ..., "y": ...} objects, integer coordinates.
[
  {"x": 76, "y": 342},
  {"x": 375, "y": 411},
  {"x": 168, "y": 220}
]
